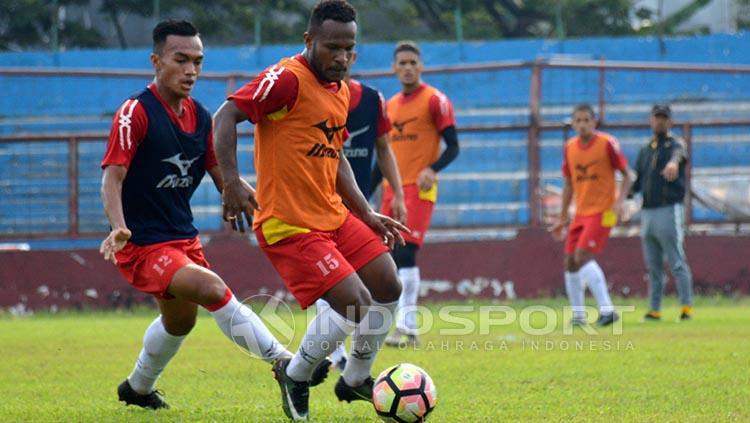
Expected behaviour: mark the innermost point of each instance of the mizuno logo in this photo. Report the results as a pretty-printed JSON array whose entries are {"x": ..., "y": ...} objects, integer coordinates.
[
  {"x": 583, "y": 170},
  {"x": 362, "y": 355},
  {"x": 183, "y": 165},
  {"x": 328, "y": 131},
  {"x": 357, "y": 132},
  {"x": 322, "y": 150},
  {"x": 305, "y": 355},
  {"x": 400, "y": 125}
]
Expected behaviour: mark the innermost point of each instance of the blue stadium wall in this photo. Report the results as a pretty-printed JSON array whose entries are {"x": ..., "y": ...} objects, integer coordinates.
[{"x": 102, "y": 96}]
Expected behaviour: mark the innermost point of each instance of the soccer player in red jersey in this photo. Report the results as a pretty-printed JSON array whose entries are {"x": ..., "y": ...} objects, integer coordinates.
[
  {"x": 421, "y": 116},
  {"x": 590, "y": 161},
  {"x": 309, "y": 217},
  {"x": 160, "y": 147}
]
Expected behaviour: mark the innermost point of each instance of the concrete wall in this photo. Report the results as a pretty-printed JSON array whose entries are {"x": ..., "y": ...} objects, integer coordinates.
[{"x": 525, "y": 267}]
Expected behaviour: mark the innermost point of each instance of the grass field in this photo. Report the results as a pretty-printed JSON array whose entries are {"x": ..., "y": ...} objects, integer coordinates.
[{"x": 66, "y": 368}]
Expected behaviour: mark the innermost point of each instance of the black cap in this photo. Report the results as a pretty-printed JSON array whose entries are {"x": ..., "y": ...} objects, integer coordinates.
[{"x": 662, "y": 109}]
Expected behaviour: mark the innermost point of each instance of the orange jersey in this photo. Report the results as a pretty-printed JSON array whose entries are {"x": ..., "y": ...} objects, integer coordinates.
[
  {"x": 297, "y": 156},
  {"x": 591, "y": 170},
  {"x": 418, "y": 119}
]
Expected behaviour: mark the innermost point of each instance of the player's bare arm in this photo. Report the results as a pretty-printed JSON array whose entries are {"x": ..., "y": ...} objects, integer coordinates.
[
  {"x": 215, "y": 174},
  {"x": 111, "y": 193},
  {"x": 558, "y": 228},
  {"x": 238, "y": 197},
  {"x": 347, "y": 188},
  {"x": 622, "y": 193},
  {"x": 387, "y": 165}
]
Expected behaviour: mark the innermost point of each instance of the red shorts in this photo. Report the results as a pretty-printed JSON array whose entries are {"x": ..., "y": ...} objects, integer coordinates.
[
  {"x": 150, "y": 268},
  {"x": 418, "y": 212},
  {"x": 587, "y": 233},
  {"x": 312, "y": 263}
]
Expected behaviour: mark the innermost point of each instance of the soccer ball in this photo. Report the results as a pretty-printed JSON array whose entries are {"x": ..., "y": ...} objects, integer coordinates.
[{"x": 404, "y": 393}]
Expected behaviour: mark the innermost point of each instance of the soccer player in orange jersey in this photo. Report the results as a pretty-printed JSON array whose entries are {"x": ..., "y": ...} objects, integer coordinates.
[
  {"x": 421, "y": 115},
  {"x": 310, "y": 219},
  {"x": 368, "y": 127},
  {"x": 590, "y": 161}
]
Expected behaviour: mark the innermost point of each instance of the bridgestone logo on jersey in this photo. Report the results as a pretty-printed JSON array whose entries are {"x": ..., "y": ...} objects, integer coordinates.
[{"x": 321, "y": 150}]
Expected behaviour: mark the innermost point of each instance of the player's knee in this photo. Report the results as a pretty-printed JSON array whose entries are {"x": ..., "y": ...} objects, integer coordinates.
[
  {"x": 394, "y": 289},
  {"x": 179, "y": 324},
  {"x": 360, "y": 306},
  {"x": 405, "y": 256},
  {"x": 213, "y": 290},
  {"x": 580, "y": 258},
  {"x": 570, "y": 264}
]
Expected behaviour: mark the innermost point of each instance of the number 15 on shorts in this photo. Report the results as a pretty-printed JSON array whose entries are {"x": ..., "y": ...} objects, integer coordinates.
[{"x": 327, "y": 264}]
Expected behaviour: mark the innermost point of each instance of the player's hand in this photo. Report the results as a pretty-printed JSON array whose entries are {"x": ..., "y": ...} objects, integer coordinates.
[
  {"x": 558, "y": 230},
  {"x": 386, "y": 227},
  {"x": 114, "y": 242},
  {"x": 426, "y": 179},
  {"x": 619, "y": 210},
  {"x": 238, "y": 203},
  {"x": 398, "y": 208},
  {"x": 670, "y": 171}
]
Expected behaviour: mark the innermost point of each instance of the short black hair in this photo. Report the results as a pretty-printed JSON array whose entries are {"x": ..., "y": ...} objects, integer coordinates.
[
  {"x": 336, "y": 10},
  {"x": 407, "y": 45},
  {"x": 171, "y": 27},
  {"x": 585, "y": 107}
]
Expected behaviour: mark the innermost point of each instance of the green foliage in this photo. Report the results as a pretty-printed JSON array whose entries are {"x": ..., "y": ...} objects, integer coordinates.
[
  {"x": 28, "y": 23},
  {"x": 66, "y": 367}
]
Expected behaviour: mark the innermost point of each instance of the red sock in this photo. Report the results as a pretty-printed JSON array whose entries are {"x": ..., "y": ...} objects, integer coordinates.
[{"x": 215, "y": 306}]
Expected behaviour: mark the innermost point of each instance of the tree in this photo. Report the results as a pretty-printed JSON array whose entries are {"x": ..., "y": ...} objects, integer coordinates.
[{"x": 32, "y": 23}]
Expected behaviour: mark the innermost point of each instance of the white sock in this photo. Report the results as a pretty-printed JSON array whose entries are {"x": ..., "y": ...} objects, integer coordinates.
[
  {"x": 367, "y": 341},
  {"x": 593, "y": 275},
  {"x": 407, "y": 303},
  {"x": 575, "y": 291},
  {"x": 158, "y": 348},
  {"x": 340, "y": 352},
  {"x": 241, "y": 325},
  {"x": 326, "y": 331}
]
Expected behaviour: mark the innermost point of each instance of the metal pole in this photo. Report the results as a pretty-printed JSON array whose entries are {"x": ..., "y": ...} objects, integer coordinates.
[
  {"x": 258, "y": 24},
  {"x": 559, "y": 23},
  {"x": 535, "y": 120},
  {"x": 231, "y": 84},
  {"x": 54, "y": 36},
  {"x": 602, "y": 81},
  {"x": 157, "y": 9},
  {"x": 73, "y": 187},
  {"x": 459, "y": 24}
]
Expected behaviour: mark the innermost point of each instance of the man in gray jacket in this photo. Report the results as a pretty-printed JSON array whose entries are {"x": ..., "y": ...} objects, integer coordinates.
[{"x": 661, "y": 179}]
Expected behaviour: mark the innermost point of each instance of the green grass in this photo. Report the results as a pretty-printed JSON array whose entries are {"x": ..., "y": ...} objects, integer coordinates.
[{"x": 66, "y": 368}]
